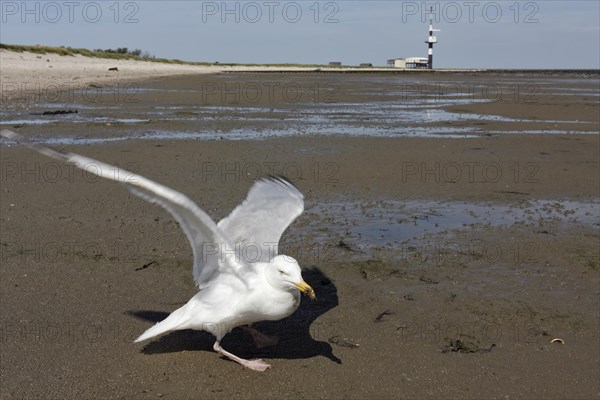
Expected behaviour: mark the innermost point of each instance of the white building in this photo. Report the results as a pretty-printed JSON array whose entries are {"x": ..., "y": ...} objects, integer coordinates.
[
  {"x": 410, "y": 62},
  {"x": 397, "y": 63},
  {"x": 417, "y": 62}
]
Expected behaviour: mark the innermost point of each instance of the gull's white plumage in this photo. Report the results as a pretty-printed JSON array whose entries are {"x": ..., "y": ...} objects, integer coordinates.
[
  {"x": 275, "y": 206},
  {"x": 235, "y": 290}
]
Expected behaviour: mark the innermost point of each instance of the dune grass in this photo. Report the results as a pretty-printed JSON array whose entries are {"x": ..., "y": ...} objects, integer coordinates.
[{"x": 69, "y": 51}]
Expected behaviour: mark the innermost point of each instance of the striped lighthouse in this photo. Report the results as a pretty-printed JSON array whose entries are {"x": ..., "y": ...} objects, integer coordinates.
[{"x": 432, "y": 39}]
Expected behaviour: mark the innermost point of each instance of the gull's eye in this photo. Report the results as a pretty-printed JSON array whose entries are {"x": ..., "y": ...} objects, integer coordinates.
[{"x": 281, "y": 272}]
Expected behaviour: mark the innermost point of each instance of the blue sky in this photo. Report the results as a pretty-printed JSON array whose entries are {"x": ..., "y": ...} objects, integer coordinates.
[{"x": 477, "y": 34}]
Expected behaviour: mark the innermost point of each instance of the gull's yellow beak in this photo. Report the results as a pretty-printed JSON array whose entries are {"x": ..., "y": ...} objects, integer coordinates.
[{"x": 306, "y": 289}]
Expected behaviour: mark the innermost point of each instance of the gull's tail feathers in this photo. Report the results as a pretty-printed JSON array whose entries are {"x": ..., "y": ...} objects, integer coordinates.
[{"x": 175, "y": 321}]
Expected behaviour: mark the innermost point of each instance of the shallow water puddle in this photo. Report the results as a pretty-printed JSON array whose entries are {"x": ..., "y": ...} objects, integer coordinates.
[
  {"x": 395, "y": 222},
  {"x": 408, "y": 114}
]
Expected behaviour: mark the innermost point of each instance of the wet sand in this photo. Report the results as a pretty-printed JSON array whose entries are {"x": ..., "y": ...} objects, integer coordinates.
[{"x": 466, "y": 307}]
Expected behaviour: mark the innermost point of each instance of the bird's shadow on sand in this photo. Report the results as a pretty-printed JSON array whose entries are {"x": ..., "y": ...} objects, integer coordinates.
[{"x": 294, "y": 332}]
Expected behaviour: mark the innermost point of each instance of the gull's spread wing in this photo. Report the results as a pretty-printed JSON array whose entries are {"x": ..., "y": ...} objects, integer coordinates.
[
  {"x": 209, "y": 243},
  {"x": 256, "y": 225}
]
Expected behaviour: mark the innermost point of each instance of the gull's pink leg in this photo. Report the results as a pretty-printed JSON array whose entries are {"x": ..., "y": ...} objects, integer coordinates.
[
  {"x": 260, "y": 339},
  {"x": 256, "y": 365}
]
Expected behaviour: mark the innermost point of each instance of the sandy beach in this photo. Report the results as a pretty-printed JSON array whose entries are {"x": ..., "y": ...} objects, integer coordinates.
[
  {"x": 25, "y": 71},
  {"x": 449, "y": 238}
]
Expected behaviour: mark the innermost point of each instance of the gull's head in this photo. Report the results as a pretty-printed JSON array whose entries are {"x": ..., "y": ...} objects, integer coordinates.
[{"x": 284, "y": 273}]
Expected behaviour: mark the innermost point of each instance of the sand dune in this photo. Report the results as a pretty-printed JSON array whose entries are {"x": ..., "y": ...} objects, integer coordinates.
[{"x": 30, "y": 71}]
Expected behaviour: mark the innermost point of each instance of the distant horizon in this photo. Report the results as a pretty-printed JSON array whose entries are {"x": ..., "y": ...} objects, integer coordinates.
[
  {"x": 563, "y": 35},
  {"x": 308, "y": 65},
  {"x": 375, "y": 68}
]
